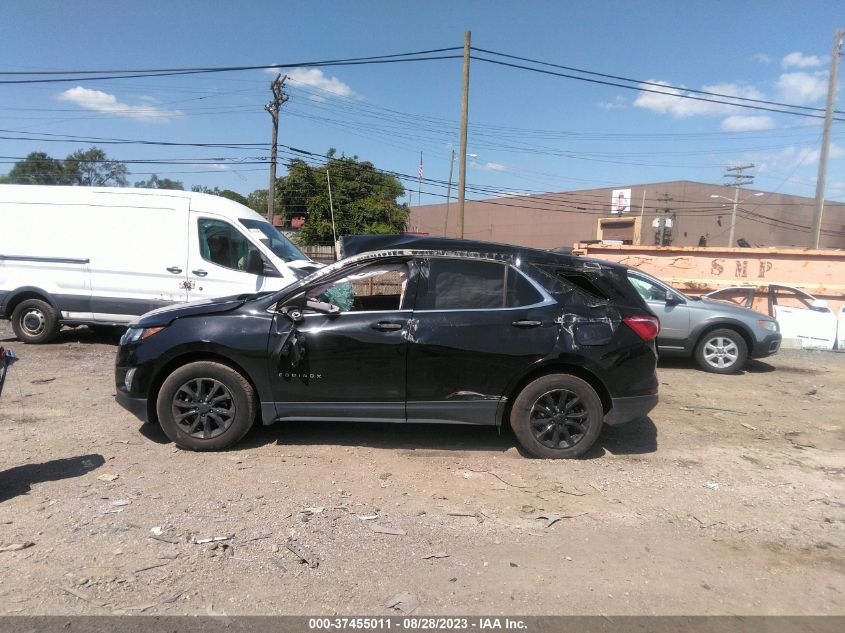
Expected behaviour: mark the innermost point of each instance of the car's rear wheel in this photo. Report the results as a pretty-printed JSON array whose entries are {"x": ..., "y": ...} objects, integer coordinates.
[
  {"x": 35, "y": 321},
  {"x": 721, "y": 352},
  {"x": 557, "y": 416},
  {"x": 205, "y": 406}
]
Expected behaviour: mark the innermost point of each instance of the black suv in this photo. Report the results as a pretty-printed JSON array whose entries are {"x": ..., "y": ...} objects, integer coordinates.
[{"x": 431, "y": 331}]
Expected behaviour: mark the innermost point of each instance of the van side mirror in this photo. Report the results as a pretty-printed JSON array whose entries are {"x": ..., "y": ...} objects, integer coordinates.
[{"x": 254, "y": 263}]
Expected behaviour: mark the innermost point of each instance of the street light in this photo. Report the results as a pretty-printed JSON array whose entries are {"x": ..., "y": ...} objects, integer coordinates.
[
  {"x": 449, "y": 192},
  {"x": 735, "y": 201}
]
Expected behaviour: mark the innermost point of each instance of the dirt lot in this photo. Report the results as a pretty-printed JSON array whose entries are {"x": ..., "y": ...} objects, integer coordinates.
[{"x": 632, "y": 529}]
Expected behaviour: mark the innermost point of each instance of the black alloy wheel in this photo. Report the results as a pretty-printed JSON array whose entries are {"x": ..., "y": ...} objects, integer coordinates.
[
  {"x": 203, "y": 408},
  {"x": 557, "y": 416},
  {"x": 559, "y": 419},
  {"x": 206, "y": 406}
]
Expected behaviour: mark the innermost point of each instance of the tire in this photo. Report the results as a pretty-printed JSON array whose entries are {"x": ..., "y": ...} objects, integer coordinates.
[
  {"x": 224, "y": 412},
  {"x": 564, "y": 395},
  {"x": 35, "y": 321},
  {"x": 721, "y": 352}
]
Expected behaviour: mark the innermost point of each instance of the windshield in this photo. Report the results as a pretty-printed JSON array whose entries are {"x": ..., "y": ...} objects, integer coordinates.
[{"x": 281, "y": 246}]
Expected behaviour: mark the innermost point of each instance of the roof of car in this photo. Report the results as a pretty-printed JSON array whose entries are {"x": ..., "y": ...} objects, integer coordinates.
[{"x": 358, "y": 244}]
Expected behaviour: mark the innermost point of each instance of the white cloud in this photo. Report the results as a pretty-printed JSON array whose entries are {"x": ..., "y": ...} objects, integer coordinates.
[
  {"x": 681, "y": 108},
  {"x": 315, "y": 79},
  {"x": 489, "y": 166},
  {"x": 511, "y": 194},
  {"x": 762, "y": 58},
  {"x": 799, "y": 60},
  {"x": 742, "y": 123},
  {"x": 616, "y": 104},
  {"x": 801, "y": 88},
  {"x": 793, "y": 157},
  {"x": 99, "y": 101}
]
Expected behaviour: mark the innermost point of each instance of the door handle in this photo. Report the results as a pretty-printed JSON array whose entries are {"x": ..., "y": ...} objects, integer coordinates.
[
  {"x": 526, "y": 323},
  {"x": 199, "y": 272},
  {"x": 174, "y": 269},
  {"x": 386, "y": 326}
]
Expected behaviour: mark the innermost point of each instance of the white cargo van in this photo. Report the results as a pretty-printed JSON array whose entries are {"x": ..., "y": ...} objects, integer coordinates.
[{"x": 103, "y": 256}]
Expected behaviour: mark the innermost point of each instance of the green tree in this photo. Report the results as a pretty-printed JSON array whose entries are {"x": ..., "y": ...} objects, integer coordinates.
[
  {"x": 204, "y": 189},
  {"x": 154, "y": 182},
  {"x": 223, "y": 193},
  {"x": 364, "y": 199},
  {"x": 38, "y": 169},
  {"x": 257, "y": 201},
  {"x": 92, "y": 168}
]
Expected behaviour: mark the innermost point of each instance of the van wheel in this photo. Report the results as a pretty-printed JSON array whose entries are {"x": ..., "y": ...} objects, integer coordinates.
[
  {"x": 35, "y": 321},
  {"x": 721, "y": 352},
  {"x": 557, "y": 416},
  {"x": 205, "y": 406}
]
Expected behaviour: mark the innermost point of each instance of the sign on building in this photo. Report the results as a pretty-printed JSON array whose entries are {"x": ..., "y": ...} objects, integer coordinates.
[{"x": 621, "y": 201}]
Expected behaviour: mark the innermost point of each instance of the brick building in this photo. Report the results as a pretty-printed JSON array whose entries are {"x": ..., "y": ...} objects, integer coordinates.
[{"x": 686, "y": 213}]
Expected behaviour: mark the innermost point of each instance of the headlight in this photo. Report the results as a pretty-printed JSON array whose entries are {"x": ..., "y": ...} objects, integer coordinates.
[
  {"x": 134, "y": 334},
  {"x": 772, "y": 326}
]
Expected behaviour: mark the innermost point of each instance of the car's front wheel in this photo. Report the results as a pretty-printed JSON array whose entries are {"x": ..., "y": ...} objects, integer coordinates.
[
  {"x": 35, "y": 321},
  {"x": 205, "y": 406},
  {"x": 557, "y": 416},
  {"x": 721, "y": 352}
]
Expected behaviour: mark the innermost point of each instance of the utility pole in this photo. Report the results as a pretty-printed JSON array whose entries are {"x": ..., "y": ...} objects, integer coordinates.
[
  {"x": 828, "y": 120},
  {"x": 739, "y": 179},
  {"x": 279, "y": 97},
  {"x": 448, "y": 196},
  {"x": 462, "y": 171},
  {"x": 331, "y": 209},
  {"x": 664, "y": 219}
]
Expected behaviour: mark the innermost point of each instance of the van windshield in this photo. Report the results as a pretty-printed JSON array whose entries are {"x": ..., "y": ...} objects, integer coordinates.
[{"x": 281, "y": 246}]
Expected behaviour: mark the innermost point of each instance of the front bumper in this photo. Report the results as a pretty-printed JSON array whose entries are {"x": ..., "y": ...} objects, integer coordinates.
[
  {"x": 768, "y": 346},
  {"x": 629, "y": 409},
  {"x": 135, "y": 406}
]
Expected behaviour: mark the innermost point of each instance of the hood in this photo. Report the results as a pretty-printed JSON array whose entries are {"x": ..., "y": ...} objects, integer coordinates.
[
  {"x": 165, "y": 316},
  {"x": 729, "y": 308}
]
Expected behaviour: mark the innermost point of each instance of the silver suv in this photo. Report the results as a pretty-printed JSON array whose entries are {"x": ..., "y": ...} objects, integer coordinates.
[{"x": 720, "y": 336}]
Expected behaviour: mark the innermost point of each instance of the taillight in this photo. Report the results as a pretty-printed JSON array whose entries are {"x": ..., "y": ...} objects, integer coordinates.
[{"x": 646, "y": 327}]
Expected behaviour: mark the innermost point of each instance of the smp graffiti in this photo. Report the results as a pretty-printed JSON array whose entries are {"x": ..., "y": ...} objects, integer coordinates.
[{"x": 717, "y": 267}]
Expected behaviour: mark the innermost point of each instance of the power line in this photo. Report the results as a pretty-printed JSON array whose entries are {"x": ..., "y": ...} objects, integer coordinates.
[
  {"x": 641, "y": 89},
  {"x": 200, "y": 71},
  {"x": 652, "y": 83},
  {"x": 223, "y": 68}
]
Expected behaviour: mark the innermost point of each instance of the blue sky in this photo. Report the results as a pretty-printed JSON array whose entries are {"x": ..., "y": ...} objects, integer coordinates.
[{"x": 530, "y": 132}]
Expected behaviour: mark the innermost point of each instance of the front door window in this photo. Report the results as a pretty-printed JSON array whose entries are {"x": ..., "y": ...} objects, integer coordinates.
[{"x": 222, "y": 244}]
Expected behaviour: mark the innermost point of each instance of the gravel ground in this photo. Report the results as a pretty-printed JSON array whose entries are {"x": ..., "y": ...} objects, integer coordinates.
[{"x": 453, "y": 516}]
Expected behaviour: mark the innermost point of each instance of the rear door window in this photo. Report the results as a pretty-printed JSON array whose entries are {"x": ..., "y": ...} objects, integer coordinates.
[{"x": 454, "y": 284}]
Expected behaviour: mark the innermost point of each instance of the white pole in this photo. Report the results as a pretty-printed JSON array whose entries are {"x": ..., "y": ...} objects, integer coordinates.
[{"x": 331, "y": 209}]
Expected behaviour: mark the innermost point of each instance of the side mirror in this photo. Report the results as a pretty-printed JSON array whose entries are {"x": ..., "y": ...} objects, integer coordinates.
[
  {"x": 254, "y": 263},
  {"x": 293, "y": 313},
  {"x": 673, "y": 299},
  {"x": 820, "y": 305}
]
